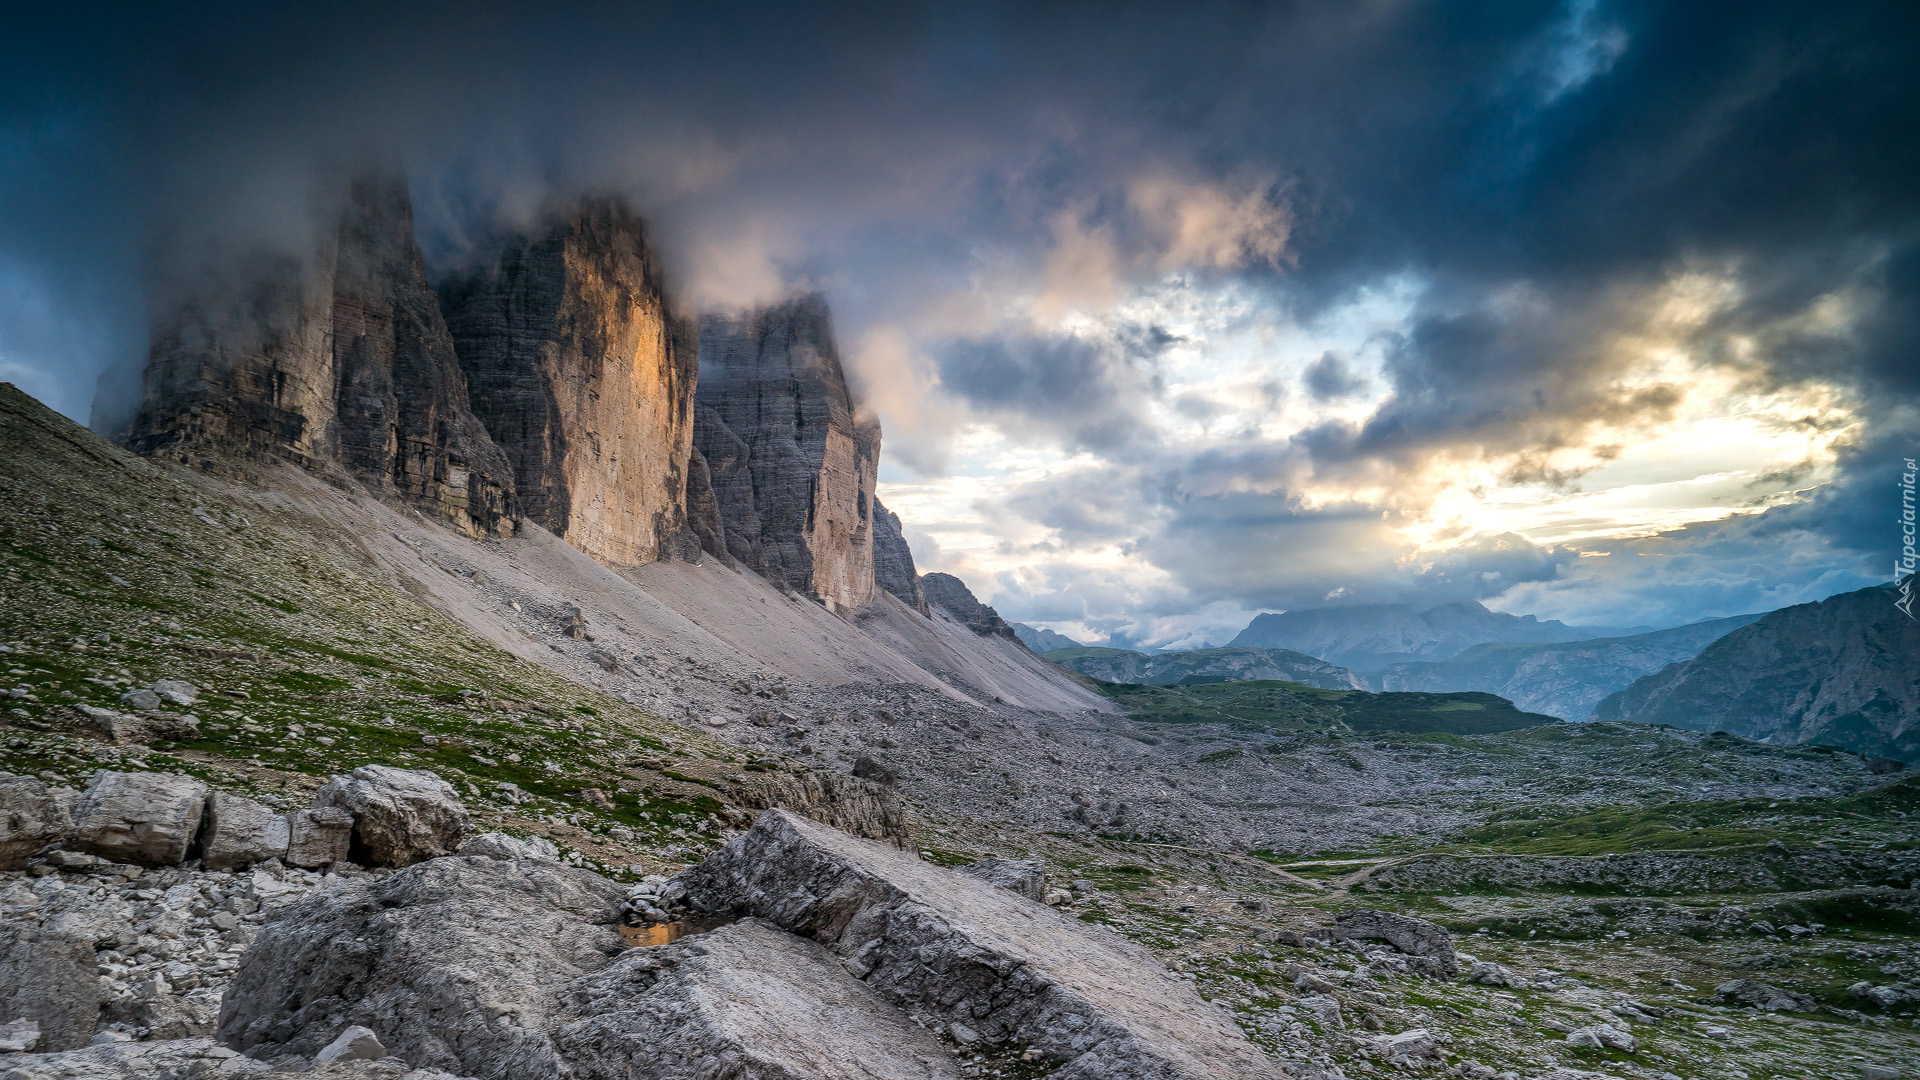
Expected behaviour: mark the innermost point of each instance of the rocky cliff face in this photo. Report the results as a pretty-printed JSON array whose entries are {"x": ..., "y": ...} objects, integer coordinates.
[
  {"x": 893, "y": 560},
  {"x": 791, "y": 467},
  {"x": 581, "y": 373},
  {"x": 950, "y": 594},
  {"x": 1844, "y": 671},
  {"x": 1560, "y": 679},
  {"x": 341, "y": 361}
]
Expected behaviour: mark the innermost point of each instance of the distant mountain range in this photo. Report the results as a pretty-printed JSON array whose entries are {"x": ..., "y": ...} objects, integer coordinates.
[
  {"x": 1198, "y": 666},
  {"x": 1844, "y": 671},
  {"x": 1371, "y": 637},
  {"x": 1042, "y": 640},
  {"x": 1564, "y": 679}
]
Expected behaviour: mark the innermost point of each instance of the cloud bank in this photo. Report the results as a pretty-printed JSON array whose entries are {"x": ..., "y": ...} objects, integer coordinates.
[{"x": 1172, "y": 313}]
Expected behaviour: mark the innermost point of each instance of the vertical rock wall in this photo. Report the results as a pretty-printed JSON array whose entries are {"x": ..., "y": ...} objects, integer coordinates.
[
  {"x": 893, "y": 560},
  {"x": 586, "y": 380},
  {"x": 791, "y": 467},
  {"x": 343, "y": 360}
]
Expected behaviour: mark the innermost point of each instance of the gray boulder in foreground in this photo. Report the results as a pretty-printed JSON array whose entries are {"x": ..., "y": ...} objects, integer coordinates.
[
  {"x": 32, "y": 815},
  {"x": 238, "y": 831},
  {"x": 957, "y": 949},
  {"x": 47, "y": 976},
  {"x": 457, "y": 963},
  {"x": 400, "y": 816},
  {"x": 150, "y": 818},
  {"x": 747, "y": 1001}
]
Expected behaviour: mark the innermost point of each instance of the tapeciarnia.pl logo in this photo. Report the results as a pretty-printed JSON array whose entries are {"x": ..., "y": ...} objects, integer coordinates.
[{"x": 1903, "y": 567}]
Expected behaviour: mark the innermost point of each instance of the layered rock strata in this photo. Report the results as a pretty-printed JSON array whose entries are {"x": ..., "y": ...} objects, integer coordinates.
[
  {"x": 893, "y": 560},
  {"x": 340, "y": 360},
  {"x": 957, "y": 949},
  {"x": 584, "y": 377},
  {"x": 791, "y": 465}
]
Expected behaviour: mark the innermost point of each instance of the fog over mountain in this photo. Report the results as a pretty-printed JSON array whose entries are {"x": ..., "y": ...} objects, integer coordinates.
[{"x": 1596, "y": 311}]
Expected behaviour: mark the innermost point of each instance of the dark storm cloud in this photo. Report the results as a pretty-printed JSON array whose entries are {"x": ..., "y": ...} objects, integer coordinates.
[{"x": 1543, "y": 171}]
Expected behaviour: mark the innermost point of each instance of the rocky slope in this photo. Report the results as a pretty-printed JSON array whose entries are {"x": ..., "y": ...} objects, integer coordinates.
[
  {"x": 340, "y": 361},
  {"x": 1369, "y": 637},
  {"x": 791, "y": 465},
  {"x": 1204, "y": 665},
  {"x": 584, "y": 377},
  {"x": 1844, "y": 671},
  {"x": 1560, "y": 679}
]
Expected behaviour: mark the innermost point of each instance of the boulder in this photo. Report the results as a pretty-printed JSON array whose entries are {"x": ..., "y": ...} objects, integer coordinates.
[
  {"x": 237, "y": 832},
  {"x": 1488, "y": 973},
  {"x": 746, "y": 1000},
  {"x": 457, "y": 963},
  {"x": 318, "y": 837},
  {"x": 146, "y": 818},
  {"x": 400, "y": 816},
  {"x": 955, "y": 949},
  {"x": 498, "y": 845},
  {"x": 1415, "y": 937},
  {"x": 1602, "y": 1037},
  {"x": 1028, "y": 877},
  {"x": 177, "y": 692},
  {"x": 32, "y": 815},
  {"x": 1761, "y": 996},
  {"x": 140, "y": 699},
  {"x": 126, "y": 728},
  {"x": 48, "y": 976}
]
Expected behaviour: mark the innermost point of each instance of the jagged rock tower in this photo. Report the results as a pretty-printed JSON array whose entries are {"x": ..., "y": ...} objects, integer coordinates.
[
  {"x": 342, "y": 360},
  {"x": 893, "y": 560},
  {"x": 790, "y": 467},
  {"x": 585, "y": 379}
]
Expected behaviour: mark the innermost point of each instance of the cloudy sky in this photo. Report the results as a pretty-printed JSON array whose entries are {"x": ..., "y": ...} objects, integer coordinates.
[{"x": 1602, "y": 311}]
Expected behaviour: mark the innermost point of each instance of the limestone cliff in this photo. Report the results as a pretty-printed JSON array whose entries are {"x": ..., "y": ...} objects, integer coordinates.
[
  {"x": 893, "y": 560},
  {"x": 580, "y": 371},
  {"x": 951, "y": 595},
  {"x": 339, "y": 360},
  {"x": 791, "y": 466}
]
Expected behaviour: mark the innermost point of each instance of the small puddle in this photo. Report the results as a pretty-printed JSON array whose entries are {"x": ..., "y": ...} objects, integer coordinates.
[{"x": 641, "y": 937}]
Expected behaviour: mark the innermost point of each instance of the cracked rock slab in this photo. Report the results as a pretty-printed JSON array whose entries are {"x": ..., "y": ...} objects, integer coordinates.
[
  {"x": 747, "y": 1001},
  {"x": 951, "y": 946}
]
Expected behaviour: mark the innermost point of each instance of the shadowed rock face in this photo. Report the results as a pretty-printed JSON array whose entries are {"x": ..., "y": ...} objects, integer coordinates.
[
  {"x": 341, "y": 360},
  {"x": 791, "y": 467},
  {"x": 583, "y": 376},
  {"x": 1844, "y": 671},
  {"x": 951, "y": 595},
  {"x": 893, "y": 560}
]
